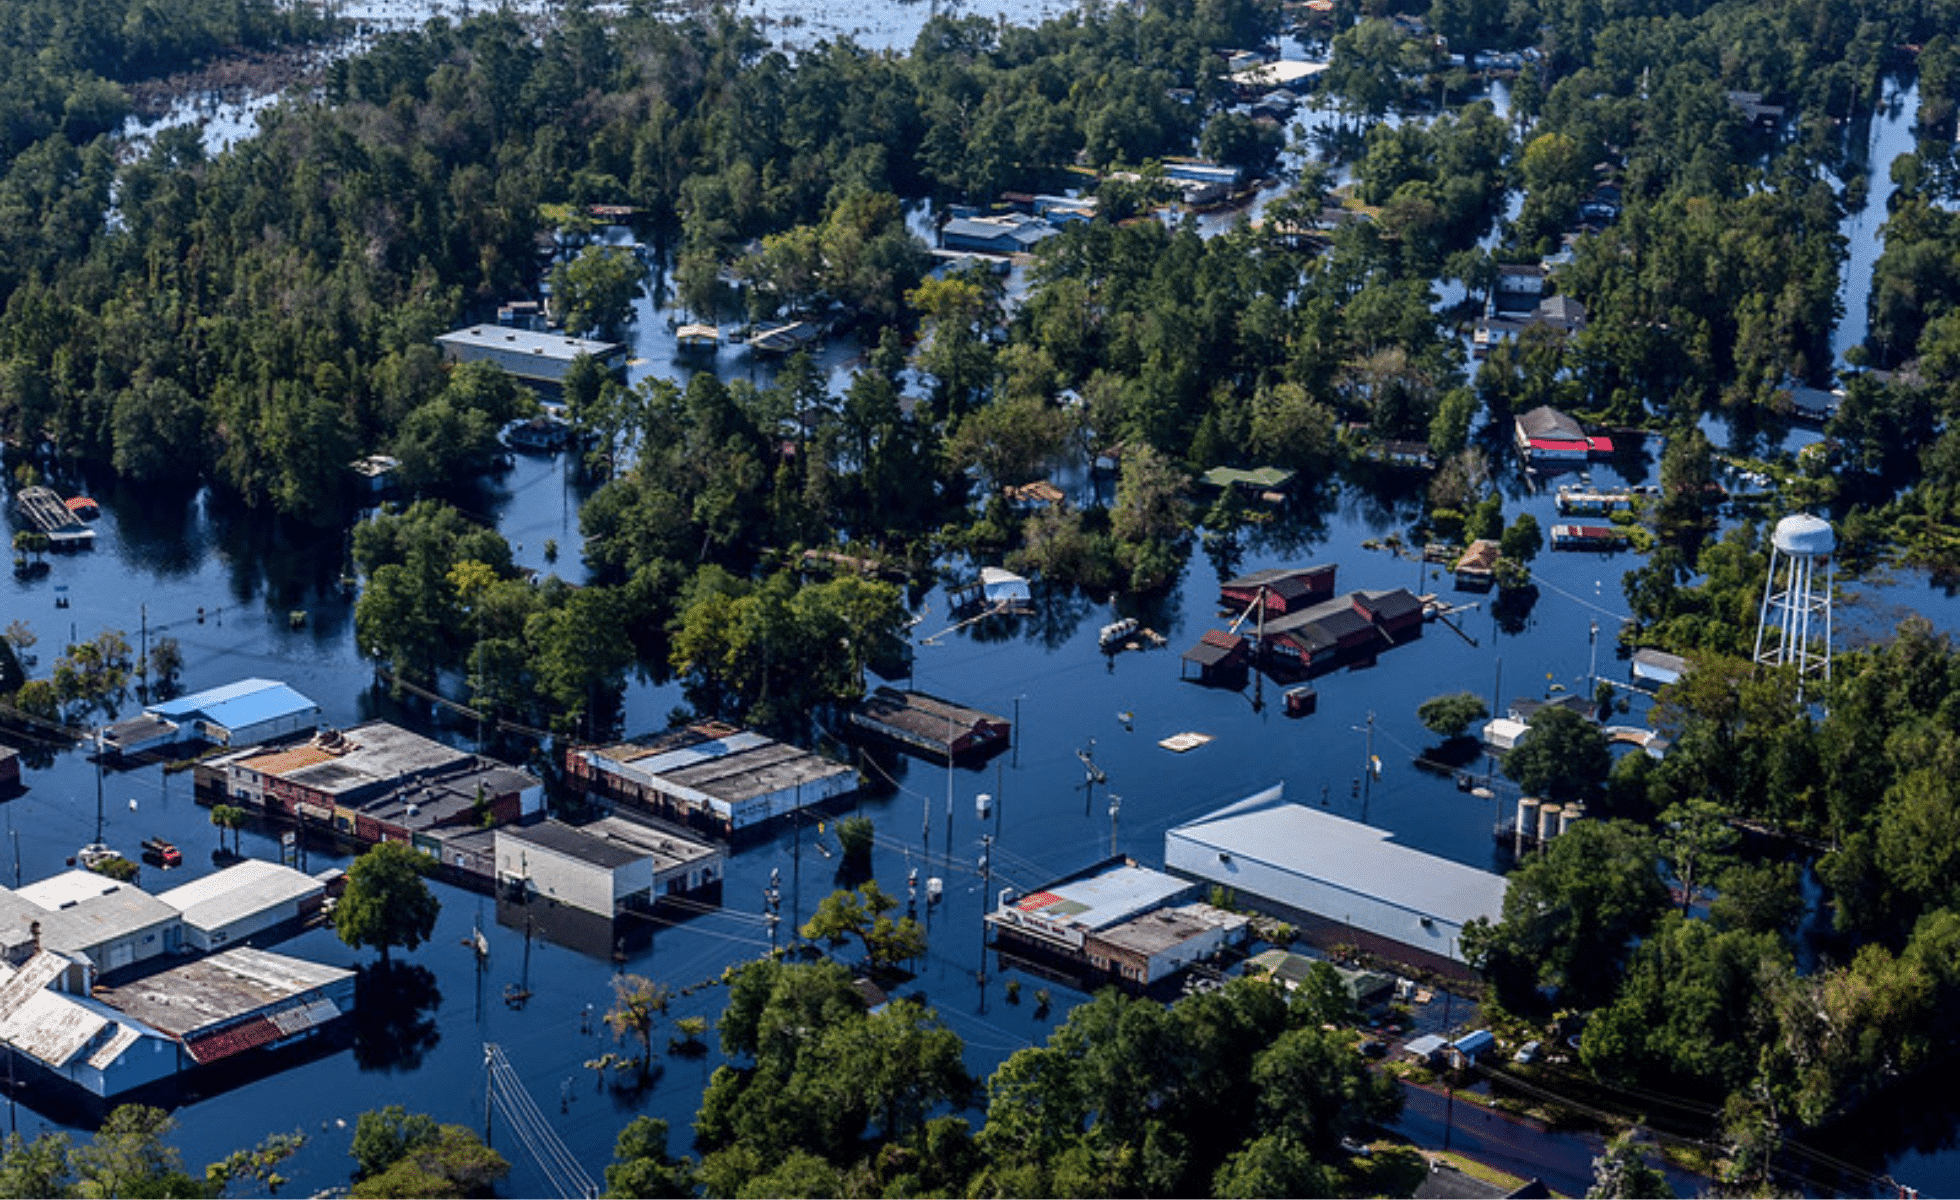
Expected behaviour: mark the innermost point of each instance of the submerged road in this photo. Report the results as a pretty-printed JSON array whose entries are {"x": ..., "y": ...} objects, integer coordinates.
[{"x": 1524, "y": 1148}]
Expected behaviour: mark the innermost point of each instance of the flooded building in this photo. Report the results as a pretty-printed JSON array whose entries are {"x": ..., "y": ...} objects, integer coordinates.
[
  {"x": 1342, "y": 882},
  {"x": 1118, "y": 920},
  {"x": 535, "y": 358},
  {"x": 1280, "y": 590},
  {"x": 925, "y": 724},
  {"x": 710, "y": 777},
  {"x": 376, "y": 782},
  {"x": 605, "y": 868},
  {"x": 1343, "y": 629},
  {"x": 109, "y": 924},
  {"x": 254, "y": 898},
  {"x": 238, "y": 714}
]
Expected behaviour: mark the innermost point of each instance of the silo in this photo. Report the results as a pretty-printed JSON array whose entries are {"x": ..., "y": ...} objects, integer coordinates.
[
  {"x": 1548, "y": 822},
  {"x": 1569, "y": 814},
  {"x": 1527, "y": 823}
]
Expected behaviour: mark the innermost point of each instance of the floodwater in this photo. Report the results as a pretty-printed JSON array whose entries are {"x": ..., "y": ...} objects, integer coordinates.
[{"x": 248, "y": 596}]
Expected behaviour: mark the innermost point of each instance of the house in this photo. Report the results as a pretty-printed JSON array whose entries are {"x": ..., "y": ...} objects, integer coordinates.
[
  {"x": 375, "y": 474},
  {"x": 1587, "y": 537},
  {"x": 1116, "y": 919},
  {"x": 930, "y": 726},
  {"x": 1365, "y": 988},
  {"x": 1222, "y": 658},
  {"x": 1754, "y": 111},
  {"x": 1005, "y": 590},
  {"x": 249, "y": 899},
  {"x": 237, "y": 714},
  {"x": 1255, "y": 78},
  {"x": 539, "y": 359},
  {"x": 378, "y": 782},
  {"x": 1341, "y": 882},
  {"x": 1525, "y": 710},
  {"x": 1547, "y": 435},
  {"x": 1803, "y": 403},
  {"x": 710, "y": 777},
  {"x": 1561, "y": 314},
  {"x": 1503, "y": 733},
  {"x": 1477, "y": 569},
  {"x": 1279, "y": 590},
  {"x": 85, "y": 916},
  {"x": 1007, "y": 233},
  {"x": 1520, "y": 286}
]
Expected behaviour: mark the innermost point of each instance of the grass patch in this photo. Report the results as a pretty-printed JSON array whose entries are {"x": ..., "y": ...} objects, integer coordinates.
[{"x": 1476, "y": 1170}]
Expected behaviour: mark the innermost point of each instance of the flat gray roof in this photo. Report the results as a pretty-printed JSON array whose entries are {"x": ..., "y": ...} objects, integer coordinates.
[
  {"x": 573, "y": 843},
  {"x": 1345, "y": 854},
  {"x": 1103, "y": 896},
  {"x": 507, "y": 340},
  {"x": 669, "y": 849},
  {"x": 240, "y": 891},
  {"x": 78, "y": 909}
]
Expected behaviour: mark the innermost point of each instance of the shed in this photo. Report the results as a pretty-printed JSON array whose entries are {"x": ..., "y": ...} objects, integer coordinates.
[
  {"x": 1005, "y": 589},
  {"x": 1466, "y": 1048},
  {"x": 924, "y": 723},
  {"x": 1220, "y": 656},
  {"x": 566, "y": 864},
  {"x": 1425, "y": 1049},
  {"x": 1478, "y": 566},
  {"x": 1281, "y": 589},
  {"x": 1502, "y": 733},
  {"x": 227, "y": 907}
]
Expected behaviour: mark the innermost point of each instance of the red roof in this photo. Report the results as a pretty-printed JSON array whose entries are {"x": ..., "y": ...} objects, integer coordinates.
[
  {"x": 1036, "y": 901},
  {"x": 1221, "y": 639},
  {"x": 1559, "y": 444},
  {"x": 233, "y": 1039},
  {"x": 1600, "y": 445}
]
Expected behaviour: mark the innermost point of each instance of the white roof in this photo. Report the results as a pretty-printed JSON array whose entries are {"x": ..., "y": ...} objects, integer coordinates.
[
  {"x": 237, "y": 892},
  {"x": 1336, "y": 852},
  {"x": 524, "y": 341},
  {"x": 1278, "y": 73}
]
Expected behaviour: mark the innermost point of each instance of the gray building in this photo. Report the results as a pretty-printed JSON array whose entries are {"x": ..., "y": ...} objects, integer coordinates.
[
  {"x": 710, "y": 777},
  {"x": 81, "y": 914},
  {"x": 227, "y": 907},
  {"x": 556, "y": 861},
  {"x": 1343, "y": 882},
  {"x": 532, "y": 357}
]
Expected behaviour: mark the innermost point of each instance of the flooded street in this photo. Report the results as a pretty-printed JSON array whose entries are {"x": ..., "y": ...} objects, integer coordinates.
[{"x": 247, "y": 596}]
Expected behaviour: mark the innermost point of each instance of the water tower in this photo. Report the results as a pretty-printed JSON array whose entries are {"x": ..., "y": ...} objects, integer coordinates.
[{"x": 1795, "y": 626}]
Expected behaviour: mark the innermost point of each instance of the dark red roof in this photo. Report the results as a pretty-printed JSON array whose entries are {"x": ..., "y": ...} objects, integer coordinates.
[{"x": 232, "y": 1039}]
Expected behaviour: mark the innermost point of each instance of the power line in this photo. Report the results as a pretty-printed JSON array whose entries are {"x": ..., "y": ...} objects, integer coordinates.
[{"x": 507, "y": 1093}]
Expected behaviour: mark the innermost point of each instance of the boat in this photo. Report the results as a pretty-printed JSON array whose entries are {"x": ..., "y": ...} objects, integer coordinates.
[
  {"x": 161, "y": 852},
  {"x": 1116, "y": 632}
]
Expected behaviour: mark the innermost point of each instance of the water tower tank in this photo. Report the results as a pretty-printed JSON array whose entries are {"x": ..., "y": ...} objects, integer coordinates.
[
  {"x": 1527, "y": 815},
  {"x": 1803, "y": 534},
  {"x": 1548, "y": 822}
]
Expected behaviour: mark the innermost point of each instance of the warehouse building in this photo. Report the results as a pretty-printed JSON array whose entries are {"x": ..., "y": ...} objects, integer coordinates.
[
  {"x": 557, "y": 861},
  {"x": 710, "y": 777},
  {"x": 237, "y": 714},
  {"x": 111, "y": 925},
  {"x": 254, "y": 898},
  {"x": 535, "y": 358},
  {"x": 1341, "y": 881}
]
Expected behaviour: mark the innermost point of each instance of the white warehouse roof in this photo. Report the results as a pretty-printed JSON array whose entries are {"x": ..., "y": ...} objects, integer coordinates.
[{"x": 238, "y": 892}]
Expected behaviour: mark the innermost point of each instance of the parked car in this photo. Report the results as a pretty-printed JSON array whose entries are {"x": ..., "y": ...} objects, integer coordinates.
[{"x": 1527, "y": 1053}]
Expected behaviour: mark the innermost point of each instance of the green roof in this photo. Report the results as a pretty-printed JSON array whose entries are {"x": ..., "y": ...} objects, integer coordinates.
[{"x": 1268, "y": 478}]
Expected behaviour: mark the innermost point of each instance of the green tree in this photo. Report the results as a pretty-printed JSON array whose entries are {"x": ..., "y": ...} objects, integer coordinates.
[
  {"x": 1451, "y": 715},
  {"x": 1562, "y": 756},
  {"x": 865, "y": 915},
  {"x": 1623, "y": 1171},
  {"x": 643, "y": 1168},
  {"x": 637, "y": 1000},
  {"x": 594, "y": 292},
  {"x": 447, "y": 1161},
  {"x": 1697, "y": 843},
  {"x": 1522, "y": 541},
  {"x": 127, "y": 1157},
  {"x": 230, "y": 817},
  {"x": 387, "y": 903},
  {"x": 383, "y": 1137}
]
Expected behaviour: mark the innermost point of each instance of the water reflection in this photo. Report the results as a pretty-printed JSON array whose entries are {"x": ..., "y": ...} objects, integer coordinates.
[{"x": 394, "y": 1017}]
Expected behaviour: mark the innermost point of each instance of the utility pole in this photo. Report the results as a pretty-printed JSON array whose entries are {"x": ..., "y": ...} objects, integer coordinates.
[{"x": 1115, "y": 806}]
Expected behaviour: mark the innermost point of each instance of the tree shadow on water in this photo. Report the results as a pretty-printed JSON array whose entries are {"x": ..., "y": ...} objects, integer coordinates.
[{"x": 394, "y": 1016}]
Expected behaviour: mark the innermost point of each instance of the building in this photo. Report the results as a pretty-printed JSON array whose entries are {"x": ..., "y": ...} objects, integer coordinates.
[
  {"x": 1007, "y": 233},
  {"x": 710, "y": 777},
  {"x": 376, "y": 782},
  {"x": 1118, "y": 919},
  {"x": 53, "y": 1028},
  {"x": 682, "y": 866},
  {"x": 1426, "y": 1049},
  {"x": 535, "y": 358},
  {"x": 1221, "y": 657},
  {"x": 9, "y": 770},
  {"x": 1264, "y": 483},
  {"x": 1465, "y": 1050},
  {"x": 1547, "y": 435},
  {"x": 930, "y": 726},
  {"x": 1477, "y": 569},
  {"x": 375, "y": 475},
  {"x": 240, "y": 1000},
  {"x": 1342, "y": 629},
  {"x": 1658, "y": 667},
  {"x": 1587, "y": 537},
  {"x": 1520, "y": 286},
  {"x": 237, "y": 714},
  {"x": 1257, "y": 77},
  {"x": 1365, "y": 988},
  {"x": 1341, "y": 882},
  {"x": 249, "y": 899},
  {"x": 78, "y": 913},
  {"x": 1281, "y": 590}
]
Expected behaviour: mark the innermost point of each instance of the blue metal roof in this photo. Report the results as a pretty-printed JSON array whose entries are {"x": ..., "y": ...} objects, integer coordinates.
[{"x": 237, "y": 705}]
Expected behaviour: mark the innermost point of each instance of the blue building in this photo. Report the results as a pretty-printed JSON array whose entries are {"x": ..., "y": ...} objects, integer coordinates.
[{"x": 237, "y": 714}]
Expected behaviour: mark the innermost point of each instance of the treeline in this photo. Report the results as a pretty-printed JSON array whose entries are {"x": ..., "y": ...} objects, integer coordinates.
[{"x": 1238, "y": 1092}]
